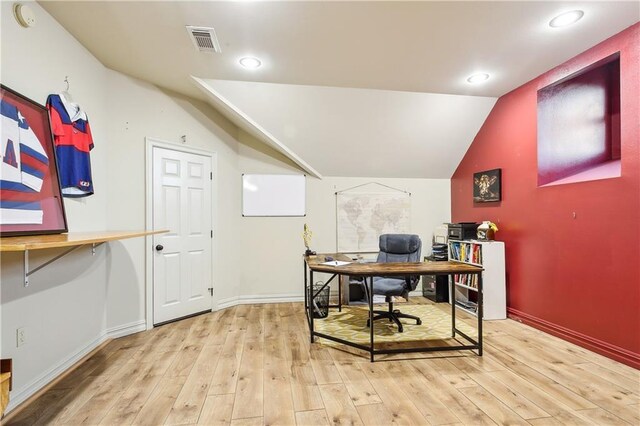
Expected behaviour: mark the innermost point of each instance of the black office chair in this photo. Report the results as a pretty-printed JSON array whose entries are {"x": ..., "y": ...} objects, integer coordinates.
[{"x": 396, "y": 248}]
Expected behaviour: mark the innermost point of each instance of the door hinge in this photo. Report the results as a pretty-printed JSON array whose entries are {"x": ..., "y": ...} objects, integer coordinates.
[
  {"x": 210, "y": 290},
  {"x": 210, "y": 175},
  {"x": 212, "y": 233}
]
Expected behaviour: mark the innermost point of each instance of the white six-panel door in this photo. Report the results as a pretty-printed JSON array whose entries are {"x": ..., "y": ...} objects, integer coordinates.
[{"x": 182, "y": 272}]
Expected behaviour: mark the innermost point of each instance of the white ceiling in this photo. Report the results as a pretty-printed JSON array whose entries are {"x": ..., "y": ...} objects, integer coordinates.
[
  {"x": 387, "y": 47},
  {"x": 409, "y": 46},
  {"x": 362, "y": 132}
]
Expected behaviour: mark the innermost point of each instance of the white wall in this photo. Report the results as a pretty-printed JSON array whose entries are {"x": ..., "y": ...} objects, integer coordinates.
[
  {"x": 145, "y": 111},
  {"x": 63, "y": 310},
  {"x": 274, "y": 244},
  {"x": 77, "y": 302}
]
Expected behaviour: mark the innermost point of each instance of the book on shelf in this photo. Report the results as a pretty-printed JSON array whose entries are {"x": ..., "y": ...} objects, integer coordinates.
[{"x": 466, "y": 252}]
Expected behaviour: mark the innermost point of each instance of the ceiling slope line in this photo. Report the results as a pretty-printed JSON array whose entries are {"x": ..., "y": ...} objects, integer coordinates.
[{"x": 235, "y": 115}]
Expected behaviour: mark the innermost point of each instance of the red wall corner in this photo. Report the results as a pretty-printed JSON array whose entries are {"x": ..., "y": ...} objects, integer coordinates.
[{"x": 580, "y": 274}]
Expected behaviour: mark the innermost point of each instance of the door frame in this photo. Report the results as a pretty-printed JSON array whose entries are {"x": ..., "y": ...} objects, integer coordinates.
[{"x": 150, "y": 143}]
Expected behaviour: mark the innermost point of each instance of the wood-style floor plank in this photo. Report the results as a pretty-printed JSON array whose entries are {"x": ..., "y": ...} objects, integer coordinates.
[
  {"x": 278, "y": 400},
  {"x": 312, "y": 418},
  {"x": 157, "y": 407},
  {"x": 305, "y": 390},
  {"x": 600, "y": 416},
  {"x": 255, "y": 365},
  {"x": 392, "y": 393},
  {"x": 518, "y": 403},
  {"x": 189, "y": 403},
  {"x": 358, "y": 386},
  {"x": 225, "y": 377},
  {"x": 217, "y": 410},
  {"x": 499, "y": 413},
  {"x": 249, "y": 394},
  {"x": 337, "y": 403},
  {"x": 421, "y": 393}
]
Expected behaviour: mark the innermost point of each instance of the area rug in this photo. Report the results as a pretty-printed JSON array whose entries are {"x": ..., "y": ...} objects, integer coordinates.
[{"x": 351, "y": 325}]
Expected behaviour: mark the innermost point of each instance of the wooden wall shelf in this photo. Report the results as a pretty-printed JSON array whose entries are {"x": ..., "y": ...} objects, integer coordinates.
[
  {"x": 38, "y": 242},
  {"x": 73, "y": 240}
]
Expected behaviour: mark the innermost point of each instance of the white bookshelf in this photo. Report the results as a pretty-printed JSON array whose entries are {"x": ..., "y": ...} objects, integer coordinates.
[{"x": 489, "y": 255}]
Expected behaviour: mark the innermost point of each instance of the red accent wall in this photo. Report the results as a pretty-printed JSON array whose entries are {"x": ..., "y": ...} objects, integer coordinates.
[{"x": 573, "y": 250}]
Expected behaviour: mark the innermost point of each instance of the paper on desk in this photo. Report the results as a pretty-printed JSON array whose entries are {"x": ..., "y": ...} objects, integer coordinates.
[{"x": 335, "y": 263}]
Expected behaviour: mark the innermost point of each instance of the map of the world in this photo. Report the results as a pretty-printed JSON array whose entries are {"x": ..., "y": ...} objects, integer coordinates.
[{"x": 363, "y": 217}]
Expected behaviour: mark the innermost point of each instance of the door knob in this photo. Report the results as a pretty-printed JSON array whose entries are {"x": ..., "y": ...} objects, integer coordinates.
[{"x": 159, "y": 247}]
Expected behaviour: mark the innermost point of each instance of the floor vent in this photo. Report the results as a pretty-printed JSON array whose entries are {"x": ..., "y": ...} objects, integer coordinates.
[{"x": 204, "y": 39}]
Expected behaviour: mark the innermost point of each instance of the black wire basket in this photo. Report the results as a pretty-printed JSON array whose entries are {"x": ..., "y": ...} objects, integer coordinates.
[{"x": 320, "y": 301}]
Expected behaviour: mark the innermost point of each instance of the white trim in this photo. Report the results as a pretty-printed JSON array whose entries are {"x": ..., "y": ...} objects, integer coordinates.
[
  {"x": 71, "y": 360},
  {"x": 227, "y": 303},
  {"x": 253, "y": 127},
  {"x": 152, "y": 142},
  {"x": 126, "y": 329},
  {"x": 258, "y": 299}
]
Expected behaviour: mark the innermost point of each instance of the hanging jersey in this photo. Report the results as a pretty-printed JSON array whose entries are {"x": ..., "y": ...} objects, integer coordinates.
[
  {"x": 23, "y": 163},
  {"x": 73, "y": 141}
]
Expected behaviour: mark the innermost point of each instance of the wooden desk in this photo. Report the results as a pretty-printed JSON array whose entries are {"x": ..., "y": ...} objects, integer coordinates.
[
  {"x": 316, "y": 261},
  {"x": 369, "y": 270}
]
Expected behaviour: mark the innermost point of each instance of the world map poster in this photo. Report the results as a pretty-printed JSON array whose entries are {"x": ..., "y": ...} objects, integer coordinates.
[{"x": 363, "y": 217}]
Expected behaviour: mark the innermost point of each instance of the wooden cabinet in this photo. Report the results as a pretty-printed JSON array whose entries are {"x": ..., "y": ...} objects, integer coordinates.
[{"x": 489, "y": 255}]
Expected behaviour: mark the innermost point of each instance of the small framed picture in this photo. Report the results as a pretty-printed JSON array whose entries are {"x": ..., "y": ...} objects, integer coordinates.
[
  {"x": 487, "y": 186},
  {"x": 30, "y": 198}
]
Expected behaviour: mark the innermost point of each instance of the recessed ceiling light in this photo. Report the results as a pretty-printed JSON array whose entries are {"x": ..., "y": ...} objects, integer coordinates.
[
  {"x": 478, "y": 78},
  {"x": 566, "y": 18},
  {"x": 250, "y": 62}
]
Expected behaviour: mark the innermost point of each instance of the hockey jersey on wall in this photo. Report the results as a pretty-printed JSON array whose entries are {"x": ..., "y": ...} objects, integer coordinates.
[
  {"x": 73, "y": 141},
  {"x": 23, "y": 162}
]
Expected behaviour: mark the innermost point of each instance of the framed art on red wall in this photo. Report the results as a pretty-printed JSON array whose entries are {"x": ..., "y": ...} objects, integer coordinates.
[
  {"x": 487, "y": 186},
  {"x": 30, "y": 198}
]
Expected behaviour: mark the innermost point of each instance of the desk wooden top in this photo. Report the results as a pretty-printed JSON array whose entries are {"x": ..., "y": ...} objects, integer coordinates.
[
  {"x": 381, "y": 269},
  {"x": 36, "y": 242}
]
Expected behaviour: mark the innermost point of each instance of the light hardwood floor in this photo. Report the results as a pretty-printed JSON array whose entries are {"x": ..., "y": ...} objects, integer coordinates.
[{"x": 254, "y": 365}]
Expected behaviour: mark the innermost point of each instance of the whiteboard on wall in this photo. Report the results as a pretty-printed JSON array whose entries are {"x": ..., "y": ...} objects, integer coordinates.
[{"x": 273, "y": 195}]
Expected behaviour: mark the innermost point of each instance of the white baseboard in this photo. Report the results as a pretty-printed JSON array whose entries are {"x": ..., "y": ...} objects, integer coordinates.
[
  {"x": 18, "y": 397},
  {"x": 126, "y": 329},
  {"x": 227, "y": 302},
  {"x": 259, "y": 299}
]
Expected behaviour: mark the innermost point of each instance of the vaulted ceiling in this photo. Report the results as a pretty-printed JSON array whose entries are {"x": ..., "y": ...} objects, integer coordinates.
[{"x": 303, "y": 100}]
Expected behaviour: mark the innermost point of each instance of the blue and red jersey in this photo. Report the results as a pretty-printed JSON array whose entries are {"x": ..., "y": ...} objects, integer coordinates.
[{"x": 73, "y": 141}]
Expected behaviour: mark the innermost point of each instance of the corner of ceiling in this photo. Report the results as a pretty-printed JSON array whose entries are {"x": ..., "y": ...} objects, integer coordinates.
[{"x": 246, "y": 123}]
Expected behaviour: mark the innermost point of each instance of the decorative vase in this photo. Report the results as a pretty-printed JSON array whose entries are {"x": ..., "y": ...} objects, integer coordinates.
[
  {"x": 485, "y": 232},
  {"x": 491, "y": 235}
]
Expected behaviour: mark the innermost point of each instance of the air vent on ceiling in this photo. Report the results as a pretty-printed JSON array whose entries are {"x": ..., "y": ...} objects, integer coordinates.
[{"x": 204, "y": 39}]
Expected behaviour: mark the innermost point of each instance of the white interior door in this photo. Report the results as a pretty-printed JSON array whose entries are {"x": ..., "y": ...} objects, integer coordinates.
[{"x": 182, "y": 271}]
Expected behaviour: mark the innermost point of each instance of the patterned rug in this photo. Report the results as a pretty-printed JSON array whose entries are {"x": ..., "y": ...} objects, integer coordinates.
[{"x": 351, "y": 325}]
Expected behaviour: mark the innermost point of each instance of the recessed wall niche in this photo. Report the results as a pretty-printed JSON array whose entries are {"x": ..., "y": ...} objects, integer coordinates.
[{"x": 579, "y": 125}]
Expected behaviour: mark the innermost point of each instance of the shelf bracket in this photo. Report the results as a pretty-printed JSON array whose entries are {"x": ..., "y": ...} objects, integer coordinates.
[
  {"x": 28, "y": 273},
  {"x": 94, "y": 246}
]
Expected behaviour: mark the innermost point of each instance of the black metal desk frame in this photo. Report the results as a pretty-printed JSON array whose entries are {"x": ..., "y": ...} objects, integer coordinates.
[{"x": 309, "y": 295}]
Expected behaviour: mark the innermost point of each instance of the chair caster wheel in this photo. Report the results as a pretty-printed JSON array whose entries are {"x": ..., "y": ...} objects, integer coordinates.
[{"x": 419, "y": 322}]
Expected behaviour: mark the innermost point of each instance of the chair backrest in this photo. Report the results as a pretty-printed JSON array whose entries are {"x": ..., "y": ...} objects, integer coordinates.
[{"x": 399, "y": 248}]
